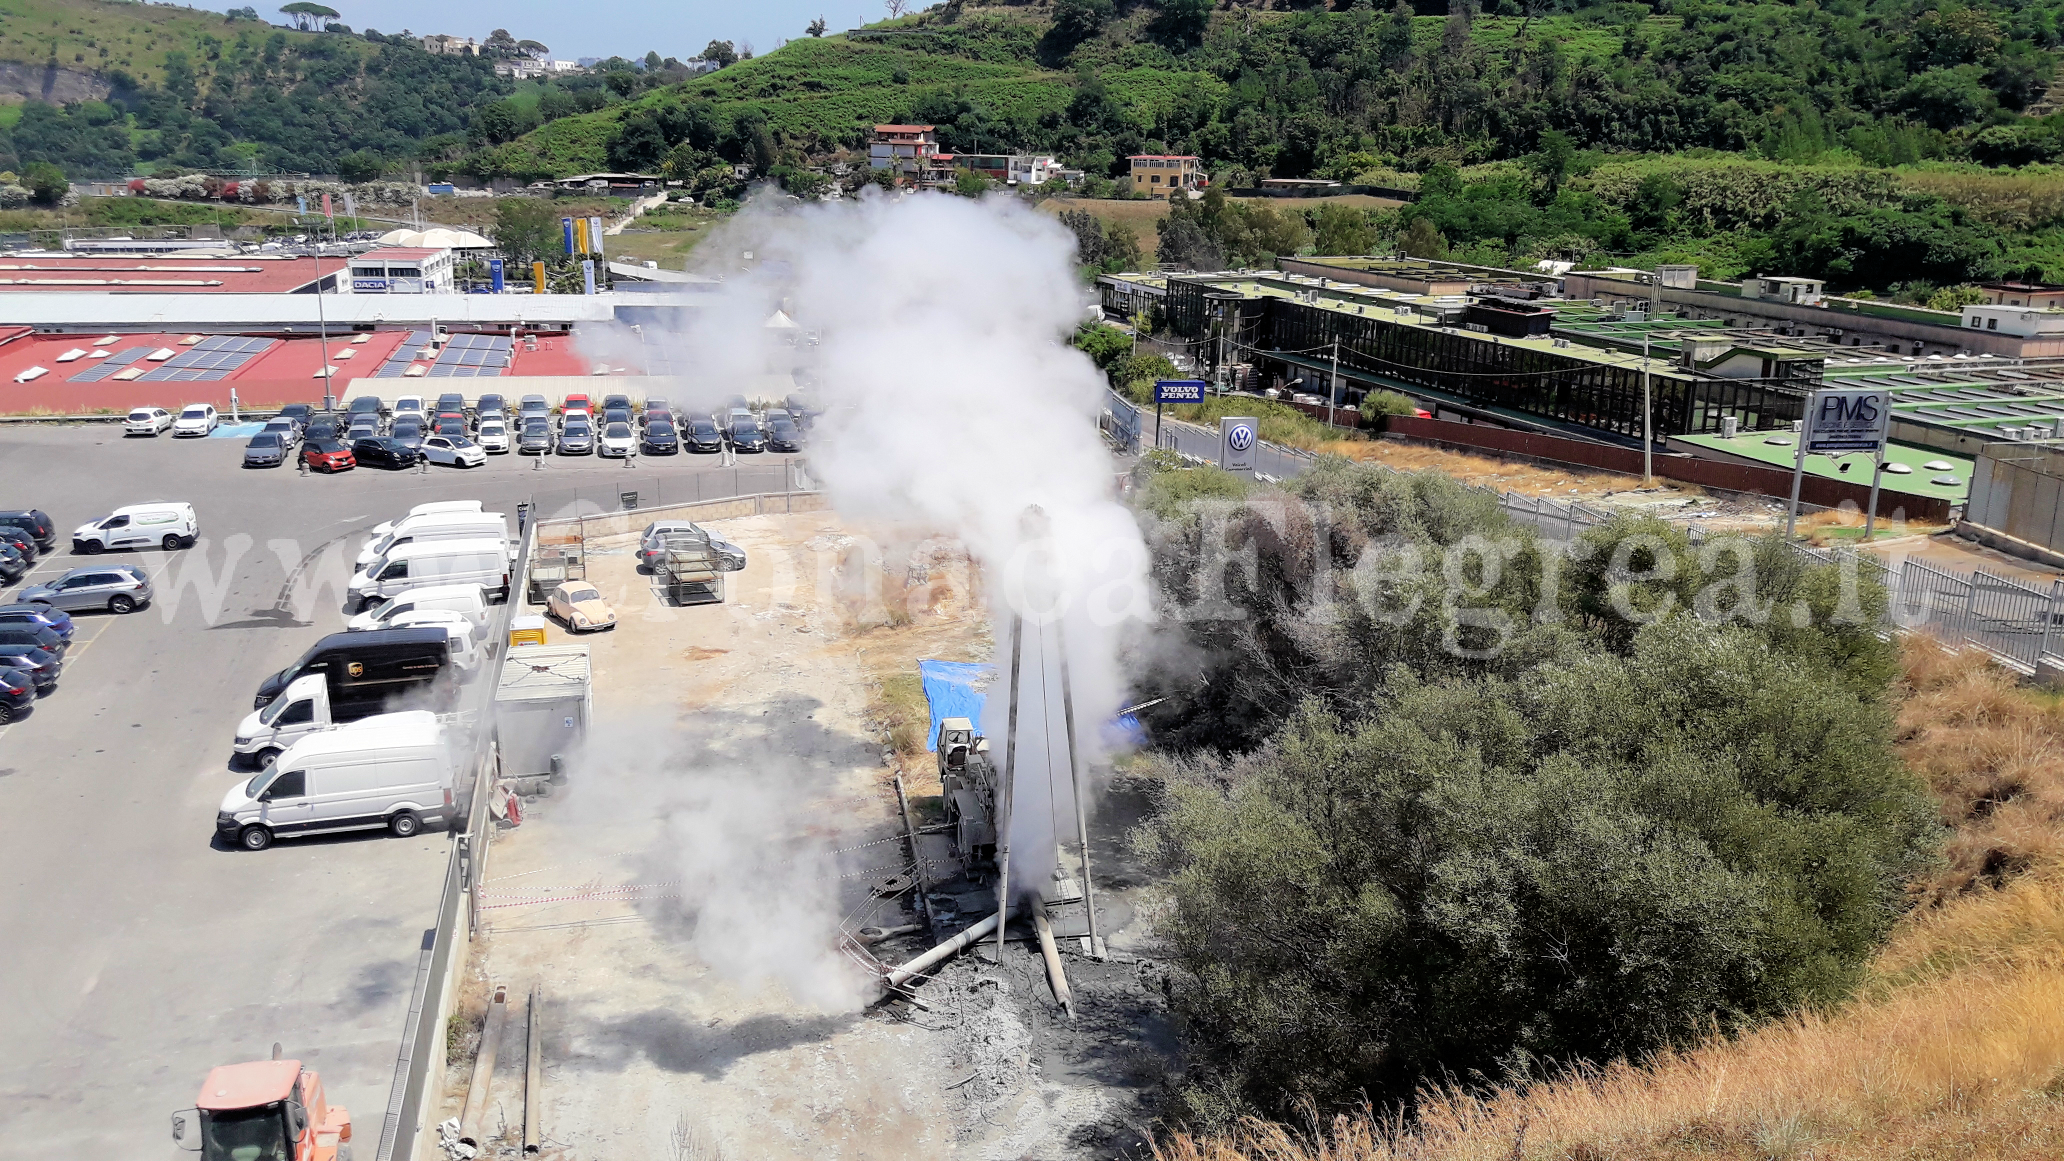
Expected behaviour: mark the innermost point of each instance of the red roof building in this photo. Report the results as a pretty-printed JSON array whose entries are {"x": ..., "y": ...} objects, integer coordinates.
[{"x": 111, "y": 274}]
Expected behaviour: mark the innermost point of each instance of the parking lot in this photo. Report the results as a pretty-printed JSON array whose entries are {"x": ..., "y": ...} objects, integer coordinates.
[{"x": 140, "y": 953}]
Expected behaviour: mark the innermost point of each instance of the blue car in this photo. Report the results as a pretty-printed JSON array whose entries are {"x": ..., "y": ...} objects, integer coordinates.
[
  {"x": 17, "y": 693},
  {"x": 56, "y": 620}
]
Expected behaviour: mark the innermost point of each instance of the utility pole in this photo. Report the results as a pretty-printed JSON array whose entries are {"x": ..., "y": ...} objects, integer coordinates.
[
  {"x": 1647, "y": 437},
  {"x": 1333, "y": 383},
  {"x": 1010, "y": 771},
  {"x": 322, "y": 329}
]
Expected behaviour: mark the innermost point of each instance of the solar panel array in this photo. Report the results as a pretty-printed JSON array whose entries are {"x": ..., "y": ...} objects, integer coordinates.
[
  {"x": 473, "y": 356},
  {"x": 211, "y": 359},
  {"x": 398, "y": 362},
  {"x": 102, "y": 368}
]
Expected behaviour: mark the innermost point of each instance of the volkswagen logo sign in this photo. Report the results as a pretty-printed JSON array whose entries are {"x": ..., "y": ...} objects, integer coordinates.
[{"x": 1241, "y": 437}]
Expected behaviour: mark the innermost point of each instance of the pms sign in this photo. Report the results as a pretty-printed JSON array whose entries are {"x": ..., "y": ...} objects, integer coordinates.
[
  {"x": 1848, "y": 420},
  {"x": 1179, "y": 391}
]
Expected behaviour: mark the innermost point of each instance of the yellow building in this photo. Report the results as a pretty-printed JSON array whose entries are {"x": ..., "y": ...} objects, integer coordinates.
[{"x": 1159, "y": 175}]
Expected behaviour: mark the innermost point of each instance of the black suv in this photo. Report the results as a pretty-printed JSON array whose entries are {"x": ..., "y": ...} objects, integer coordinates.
[
  {"x": 36, "y": 522},
  {"x": 385, "y": 452}
]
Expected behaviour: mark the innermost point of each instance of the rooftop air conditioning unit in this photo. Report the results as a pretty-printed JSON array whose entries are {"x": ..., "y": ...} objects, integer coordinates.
[{"x": 1730, "y": 426}]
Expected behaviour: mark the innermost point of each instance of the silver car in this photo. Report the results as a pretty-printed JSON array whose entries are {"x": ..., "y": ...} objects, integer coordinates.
[
  {"x": 118, "y": 588},
  {"x": 652, "y": 544},
  {"x": 267, "y": 449}
]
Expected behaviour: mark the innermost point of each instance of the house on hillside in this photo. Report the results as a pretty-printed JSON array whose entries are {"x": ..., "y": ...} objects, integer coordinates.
[
  {"x": 1160, "y": 175},
  {"x": 911, "y": 151},
  {"x": 2036, "y": 294},
  {"x": 1010, "y": 168},
  {"x": 442, "y": 45}
]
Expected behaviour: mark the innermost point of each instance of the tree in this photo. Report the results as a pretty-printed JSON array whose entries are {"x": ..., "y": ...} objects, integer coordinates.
[
  {"x": 969, "y": 184},
  {"x": 533, "y": 49},
  {"x": 499, "y": 44},
  {"x": 896, "y": 8},
  {"x": 1422, "y": 239},
  {"x": 526, "y": 230},
  {"x": 721, "y": 53},
  {"x": 1551, "y": 162},
  {"x": 46, "y": 183},
  {"x": 1102, "y": 342},
  {"x": 653, "y": 61},
  {"x": 816, "y": 27},
  {"x": 1340, "y": 229},
  {"x": 309, "y": 16},
  {"x": 360, "y": 165},
  {"x": 1182, "y": 22}
]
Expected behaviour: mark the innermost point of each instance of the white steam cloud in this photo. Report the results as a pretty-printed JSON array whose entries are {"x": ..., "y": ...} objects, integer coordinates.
[{"x": 934, "y": 335}]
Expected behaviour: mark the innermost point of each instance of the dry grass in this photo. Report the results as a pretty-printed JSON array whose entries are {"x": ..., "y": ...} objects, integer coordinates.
[
  {"x": 2007, "y": 200},
  {"x": 1954, "y": 1050},
  {"x": 1527, "y": 479}
]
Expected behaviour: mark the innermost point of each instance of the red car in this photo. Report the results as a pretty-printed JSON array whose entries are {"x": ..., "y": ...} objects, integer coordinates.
[
  {"x": 328, "y": 455},
  {"x": 577, "y": 403}
]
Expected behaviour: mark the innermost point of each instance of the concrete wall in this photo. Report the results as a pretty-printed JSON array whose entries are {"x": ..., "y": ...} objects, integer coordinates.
[
  {"x": 624, "y": 523},
  {"x": 1704, "y": 472},
  {"x": 2017, "y": 490}
]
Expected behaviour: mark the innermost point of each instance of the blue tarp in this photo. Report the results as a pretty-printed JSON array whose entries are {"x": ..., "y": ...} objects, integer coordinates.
[
  {"x": 236, "y": 430},
  {"x": 953, "y": 689}
]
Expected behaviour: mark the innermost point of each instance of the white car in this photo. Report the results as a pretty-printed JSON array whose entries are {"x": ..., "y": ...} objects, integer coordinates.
[
  {"x": 195, "y": 419},
  {"x": 147, "y": 421},
  {"x": 493, "y": 436},
  {"x": 456, "y": 450},
  {"x": 411, "y": 407},
  {"x": 617, "y": 440},
  {"x": 465, "y": 650}
]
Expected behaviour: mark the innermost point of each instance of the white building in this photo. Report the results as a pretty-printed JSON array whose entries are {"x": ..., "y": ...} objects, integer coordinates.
[
  {"x": 2025, "y": 322},
  {"x": 403, "y": 270}
]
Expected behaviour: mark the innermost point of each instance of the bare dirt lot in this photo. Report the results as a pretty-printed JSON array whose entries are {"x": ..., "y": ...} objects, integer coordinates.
[{"x": 681, "y": 899}]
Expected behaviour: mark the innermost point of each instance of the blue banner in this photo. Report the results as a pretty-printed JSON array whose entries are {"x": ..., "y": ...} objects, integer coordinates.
[
  {"x": 566, "y": 227},
  {"x": 301, "y": 205},
  {"x": 1179, "y": 391},
  {"x": 494, "y": 273}
]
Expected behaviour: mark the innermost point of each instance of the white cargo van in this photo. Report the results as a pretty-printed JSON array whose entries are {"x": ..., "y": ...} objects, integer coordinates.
[
  {"x": 436, "y": 526},
  {"x": 389, "y": 771},
  {"x": 386, "y": 526},
  {"x": 469, "y": 601},
  {"x": 436, "y": 562},
  {"x": 160, "y": 523},
  {"x": 465, "y": 647}
]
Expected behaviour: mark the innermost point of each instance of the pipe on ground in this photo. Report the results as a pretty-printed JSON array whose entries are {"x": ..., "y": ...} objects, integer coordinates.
[
  {"x": 483, "y": 1067},
  {"x": 1055, "y": 975},
  {"x": 533, "y": 1070},
  {"x": 945, "y": 951}
]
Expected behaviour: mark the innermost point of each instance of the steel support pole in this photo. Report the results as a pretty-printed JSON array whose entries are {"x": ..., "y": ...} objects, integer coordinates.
[
  {"x": 1799, "y": 468},
  {"x": 1096, "y": 944},
  {"x": 1010, "y": 770},
  {"x": 1870, "y": 515}
]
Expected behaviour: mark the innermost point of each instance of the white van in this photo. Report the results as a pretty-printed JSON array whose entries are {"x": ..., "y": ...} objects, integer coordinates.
[
  {"x": 465, "y": 647},
  {"x": 469, "y": 601},
  {"x": 436, "y": 562},
  {"x": 386, "y": 526},
  {"x": 166, "y": 525},
  {"x": 392, "y": 771},
  {"x": 436, "y": 526}
]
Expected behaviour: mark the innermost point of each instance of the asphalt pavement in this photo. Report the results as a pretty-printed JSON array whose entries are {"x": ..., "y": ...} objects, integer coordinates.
[{"x": 136, "y": 951}]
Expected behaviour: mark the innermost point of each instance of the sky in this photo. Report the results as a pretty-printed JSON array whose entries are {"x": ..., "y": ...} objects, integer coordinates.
[{"x": 626, "y": 28}]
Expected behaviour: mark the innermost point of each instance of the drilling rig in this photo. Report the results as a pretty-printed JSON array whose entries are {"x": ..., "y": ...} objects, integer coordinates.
[{"x": 968, "y": 785}]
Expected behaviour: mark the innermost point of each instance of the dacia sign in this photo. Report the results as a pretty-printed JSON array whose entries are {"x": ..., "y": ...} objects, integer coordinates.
[
  {"x": 1848, "y": 419},
  {"x": 1179, "y": 391}
]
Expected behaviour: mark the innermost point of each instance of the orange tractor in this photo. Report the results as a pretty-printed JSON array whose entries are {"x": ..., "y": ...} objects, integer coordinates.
[{"x": 266, "y": 1110}]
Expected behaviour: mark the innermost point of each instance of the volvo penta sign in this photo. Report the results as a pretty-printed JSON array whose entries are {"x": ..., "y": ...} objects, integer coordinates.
[
  {"x": 1848, "y": 419},
  {"x": 1237, "y": 436},
  {"x": 1179, "y": 391}
]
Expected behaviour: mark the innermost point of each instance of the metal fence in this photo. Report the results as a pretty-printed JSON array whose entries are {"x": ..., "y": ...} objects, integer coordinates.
[{"x": 633, "y": 489}]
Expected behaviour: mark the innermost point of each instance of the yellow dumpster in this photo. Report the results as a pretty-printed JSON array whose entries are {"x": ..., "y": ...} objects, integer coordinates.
[{"x": 527, "y": 630}]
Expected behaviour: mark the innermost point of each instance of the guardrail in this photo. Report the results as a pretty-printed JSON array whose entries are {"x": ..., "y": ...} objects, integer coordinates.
[{"x": 419, "y": 1069}]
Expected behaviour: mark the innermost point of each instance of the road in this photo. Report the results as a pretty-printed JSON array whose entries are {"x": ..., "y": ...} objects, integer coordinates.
[{"x": 138, "y": 953}]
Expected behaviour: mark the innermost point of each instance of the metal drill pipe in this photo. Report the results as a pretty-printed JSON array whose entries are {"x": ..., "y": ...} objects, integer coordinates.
[
  {"x": 483, "y": 1068},
  {"x": 909, "y": 971},
  {"x": 1010, "y": 765},
  {"x": 924, "y": 898},
  {"x": 1075, "y": 781},
  {"x": 1055, "y": 975},
  {"x": 533, "y": 1070}
]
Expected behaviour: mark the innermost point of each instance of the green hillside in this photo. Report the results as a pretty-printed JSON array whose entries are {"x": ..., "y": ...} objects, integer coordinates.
[{"x": 96, "y": 36}]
